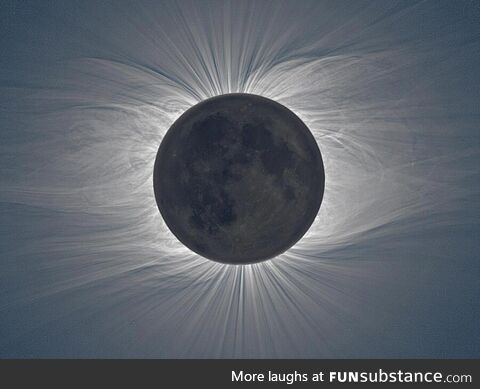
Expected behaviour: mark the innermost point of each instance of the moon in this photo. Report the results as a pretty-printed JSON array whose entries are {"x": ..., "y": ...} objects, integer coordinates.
[{"x": 239, "y": 178}]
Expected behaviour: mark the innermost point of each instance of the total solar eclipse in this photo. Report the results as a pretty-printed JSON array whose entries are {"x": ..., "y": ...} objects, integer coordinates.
[{"x": 238, "y": 178}]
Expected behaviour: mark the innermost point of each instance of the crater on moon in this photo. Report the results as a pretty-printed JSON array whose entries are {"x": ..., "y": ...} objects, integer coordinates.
[{"x": 238, "y": 178}]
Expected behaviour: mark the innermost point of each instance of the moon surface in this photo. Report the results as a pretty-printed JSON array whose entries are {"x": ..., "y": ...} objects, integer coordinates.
[{"x": 239, "y": 178}]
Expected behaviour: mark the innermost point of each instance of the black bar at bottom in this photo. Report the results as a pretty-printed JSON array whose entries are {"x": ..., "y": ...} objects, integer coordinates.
[{"x": 239, "y": 373}]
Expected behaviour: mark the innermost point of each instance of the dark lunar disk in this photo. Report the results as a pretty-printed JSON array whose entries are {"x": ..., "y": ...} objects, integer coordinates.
[{"x": 238, "y": 178}]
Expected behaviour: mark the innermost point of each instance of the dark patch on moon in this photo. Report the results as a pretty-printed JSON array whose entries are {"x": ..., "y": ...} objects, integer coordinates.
[{"x": 239, "y": 178}]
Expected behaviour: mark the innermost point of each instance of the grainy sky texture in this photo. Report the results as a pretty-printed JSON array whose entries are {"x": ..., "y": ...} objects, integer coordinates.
[{"x": 390, "y": 267}]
